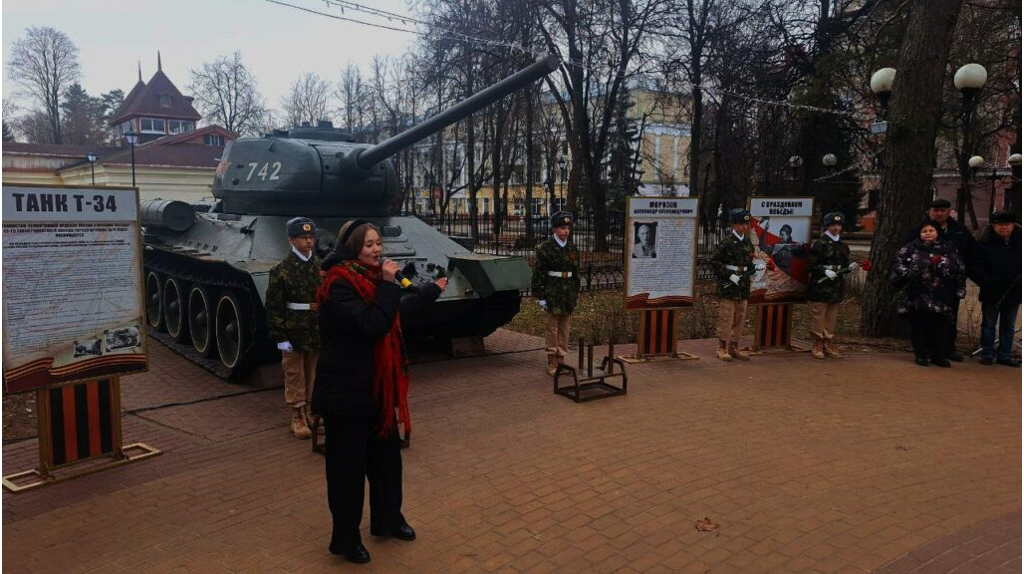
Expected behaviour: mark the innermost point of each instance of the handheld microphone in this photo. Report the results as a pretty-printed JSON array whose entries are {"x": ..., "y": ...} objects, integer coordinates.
[{"x": 402, "y": 280}]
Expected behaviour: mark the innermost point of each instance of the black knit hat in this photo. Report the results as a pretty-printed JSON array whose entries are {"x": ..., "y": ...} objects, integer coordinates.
[{"x": 1003, "y": 216}]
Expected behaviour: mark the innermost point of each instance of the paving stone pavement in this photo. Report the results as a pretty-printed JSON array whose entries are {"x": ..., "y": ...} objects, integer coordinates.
[{"x": 864, "y": 464}]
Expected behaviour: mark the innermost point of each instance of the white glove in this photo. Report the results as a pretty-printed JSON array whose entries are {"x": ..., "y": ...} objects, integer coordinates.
[
  {"x": 831, "y": 274},
  {"x": 543, "y": 304},
  {"x": 760, "y": 264},
  {"x": 285, "y": 346},
  {"x": 735, "y": 278},
  {"x": 854, "y": 266}
]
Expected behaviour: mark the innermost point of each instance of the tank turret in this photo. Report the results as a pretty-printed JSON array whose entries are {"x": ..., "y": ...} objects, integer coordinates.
[
  {"x": 322, "y": 170},
  {"x": 207, "y": 271}
]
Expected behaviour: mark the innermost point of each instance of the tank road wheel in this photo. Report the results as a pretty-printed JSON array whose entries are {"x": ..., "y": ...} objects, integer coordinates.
[
  {"x": 175, "y": 317},
  {"x": 231, "y": 330},
  {"x": 200, "y": 321},
  {"x": 154, "y": 307}
]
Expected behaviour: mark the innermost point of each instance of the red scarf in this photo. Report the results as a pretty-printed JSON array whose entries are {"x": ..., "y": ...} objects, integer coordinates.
[{"x": 391, "y": 376}]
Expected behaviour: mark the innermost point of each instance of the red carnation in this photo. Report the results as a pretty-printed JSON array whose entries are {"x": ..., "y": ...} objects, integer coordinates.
[
  {"x": 936, "y": 259},
  {"x": 866, "y": 265}
]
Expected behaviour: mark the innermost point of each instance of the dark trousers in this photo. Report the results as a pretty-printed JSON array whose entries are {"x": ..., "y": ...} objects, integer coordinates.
[
  {"x": 356, "y": 453},
  {"x": 929, "y": 334},
  {"x": 1006, "y": 316}
]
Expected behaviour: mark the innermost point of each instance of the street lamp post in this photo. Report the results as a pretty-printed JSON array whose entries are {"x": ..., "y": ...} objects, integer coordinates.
[
  {"x": 881, "y": 85},
  {"x": 92, "y": 165},
  {"x": 131, "y": 137},
  {"x": 561, "y": 174},
  {"x": 969, "y": 79},
  {"x": 1014, "y": 162},
  {"x": 795, "y": 163}
]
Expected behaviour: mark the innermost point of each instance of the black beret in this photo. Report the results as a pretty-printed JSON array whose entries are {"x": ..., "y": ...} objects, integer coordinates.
[
  {"x": 299, "y": 226},
  {"x": 1003, "y": 216},
  {"x": 561, "y": 218},
  {"x": 739, "y": 216},
  {"x": 940, "y": 204},
  {"x": 834, "y": 217}
]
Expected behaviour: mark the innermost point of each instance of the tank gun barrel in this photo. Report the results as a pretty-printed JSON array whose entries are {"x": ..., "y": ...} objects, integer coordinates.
[{"x": 544, "y": 65}]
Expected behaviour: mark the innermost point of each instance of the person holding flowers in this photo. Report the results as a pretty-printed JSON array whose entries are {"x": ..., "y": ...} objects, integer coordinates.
[{"x": 932, "y": 280}]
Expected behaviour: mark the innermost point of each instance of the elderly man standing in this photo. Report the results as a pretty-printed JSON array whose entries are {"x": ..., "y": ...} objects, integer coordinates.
[
  {"x": 292, "y": 320},
  {"x": 954, "y": 233},
  {"x": 996, "y": 266}
]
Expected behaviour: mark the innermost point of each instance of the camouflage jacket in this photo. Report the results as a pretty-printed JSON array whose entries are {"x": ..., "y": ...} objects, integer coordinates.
[
  {"x": 561, "y": 293},
  {"x": 293, "y": 281},
  {"x": 826, "y": 254},
  {"x": 733, "y": 252}
]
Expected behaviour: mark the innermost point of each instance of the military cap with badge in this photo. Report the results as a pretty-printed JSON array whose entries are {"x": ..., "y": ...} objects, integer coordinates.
[
  {"x": 561, "y": 218},
  {"x": 833, "y": 218},
  {"x": 739, "y": 215},
  {"x": 299, "y": 226}
]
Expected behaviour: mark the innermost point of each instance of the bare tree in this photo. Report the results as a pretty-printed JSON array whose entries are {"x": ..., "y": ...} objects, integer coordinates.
[
  {"x": 226, "y": 93},
  {"x": 307, "y": 100},
  {"x": 44, "y": 63},
  {"x": 351, "y": 91}
]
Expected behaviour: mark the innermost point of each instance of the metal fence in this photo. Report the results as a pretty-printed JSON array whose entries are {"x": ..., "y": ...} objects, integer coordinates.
[{"x": 519, "y": 235}]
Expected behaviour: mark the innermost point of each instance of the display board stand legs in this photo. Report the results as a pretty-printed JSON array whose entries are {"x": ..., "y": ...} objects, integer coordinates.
[
  {"x": 773, "y": 329},
  {"x": 658, "y": 337},
  {"x": 79, "y": 433},
  {"x": 588, "y": 382}
]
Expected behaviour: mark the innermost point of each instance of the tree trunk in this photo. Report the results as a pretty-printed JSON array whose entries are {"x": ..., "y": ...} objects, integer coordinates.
[{"x": 909, "y": 153}]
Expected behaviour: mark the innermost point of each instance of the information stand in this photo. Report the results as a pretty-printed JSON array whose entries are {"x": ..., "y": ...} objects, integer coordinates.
[
  {"x": 781, "y": 231},
  {"x": 661, "y": 258},
  {"x": 73, "y": 321}
]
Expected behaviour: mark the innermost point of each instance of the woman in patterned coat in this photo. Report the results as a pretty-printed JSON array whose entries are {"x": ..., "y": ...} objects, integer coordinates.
[{"x": 932, "y": 279}]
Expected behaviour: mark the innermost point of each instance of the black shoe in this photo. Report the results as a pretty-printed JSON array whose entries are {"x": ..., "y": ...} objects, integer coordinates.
[
  {"x": 1009, "y": 362},
  {"x": 921, "y": 361},
  {"x": 402, "y": 532},
  {"x": 940, "y": 362},
  {"x": 955, "y": 357},
  {"x": 987, "y": 360},
  {"x": 358, "y": 554}
]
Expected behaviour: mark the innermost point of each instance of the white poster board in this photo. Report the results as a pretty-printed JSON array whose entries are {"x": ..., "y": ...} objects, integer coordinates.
[
  {"x": 72, "y": 285},
  {"x": 780, "y": 228},
  {"x": 660, "y": 251}
]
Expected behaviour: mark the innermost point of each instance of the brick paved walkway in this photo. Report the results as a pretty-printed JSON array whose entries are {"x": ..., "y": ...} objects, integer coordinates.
[{"x": 864, "y": 464}]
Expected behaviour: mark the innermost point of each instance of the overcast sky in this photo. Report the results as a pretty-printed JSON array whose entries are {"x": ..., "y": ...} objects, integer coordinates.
[{"x": 277, "y": 43}]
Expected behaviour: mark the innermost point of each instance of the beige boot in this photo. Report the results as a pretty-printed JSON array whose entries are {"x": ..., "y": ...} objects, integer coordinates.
[
  {"x": 552, "y": 364},
  {"x": 818, "y": 352},
  {"x": 736, "y": 353},
  {"x": 311, "y": 421},
  {"x": 830, "y": 351},
  {"x": 723, "y": 351},
  {"x": 299, "y": 427}
]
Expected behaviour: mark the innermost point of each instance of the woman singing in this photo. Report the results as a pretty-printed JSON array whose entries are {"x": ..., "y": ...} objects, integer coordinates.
[{"x": 363, "y": 384}]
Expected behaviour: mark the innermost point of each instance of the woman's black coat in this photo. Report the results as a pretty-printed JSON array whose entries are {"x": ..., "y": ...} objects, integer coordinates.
[{"x": 349, "y": 328}]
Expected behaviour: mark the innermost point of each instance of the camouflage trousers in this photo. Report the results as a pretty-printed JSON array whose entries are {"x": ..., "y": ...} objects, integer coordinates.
[
  {"x": 731, "y": 314},
  {"x": 299, "y": 375},
  {"x": 556, "y": 336},
  {"x": 823, "y": 320}
]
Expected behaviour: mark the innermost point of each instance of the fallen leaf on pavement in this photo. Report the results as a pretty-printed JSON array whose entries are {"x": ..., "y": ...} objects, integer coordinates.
[{"x": 706, "y": 525}]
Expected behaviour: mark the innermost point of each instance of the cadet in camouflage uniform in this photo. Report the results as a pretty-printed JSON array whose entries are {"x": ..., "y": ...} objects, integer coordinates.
[
  {"x": 829, "y": 260},
  {"x": 292, "y": 320},
  {"x": 734, "y": 265},
  {"x": 556, "y": 285}
]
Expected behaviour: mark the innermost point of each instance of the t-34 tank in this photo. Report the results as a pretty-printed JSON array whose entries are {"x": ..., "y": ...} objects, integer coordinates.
[{"x": 206, "y": 273}]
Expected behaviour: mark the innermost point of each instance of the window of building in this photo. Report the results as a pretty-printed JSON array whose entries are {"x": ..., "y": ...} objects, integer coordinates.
[
  {"x": 213, "y": 139},
  {"x": 179, "y": 126},
  {"x": 165, "y": 101},
  {"x": 153, "y": 126}
]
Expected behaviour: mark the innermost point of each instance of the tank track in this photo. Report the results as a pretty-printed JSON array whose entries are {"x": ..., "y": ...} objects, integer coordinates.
[{"x": 218, "y": 277}]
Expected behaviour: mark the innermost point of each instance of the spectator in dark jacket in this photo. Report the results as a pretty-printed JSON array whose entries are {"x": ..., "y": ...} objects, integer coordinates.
[
  {"x": 362, "y": 380},
  {"x": 995, "y": 267},
  {"x": 932, "y": 280},
  {"x": 954, "y": 233}
]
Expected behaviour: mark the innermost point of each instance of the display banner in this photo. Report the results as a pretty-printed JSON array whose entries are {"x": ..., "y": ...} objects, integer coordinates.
[
  {"x": 72, "y": 285},
  {"x": 661, "y": 251},
  {"x": 781, "y": 230}
]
